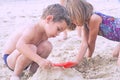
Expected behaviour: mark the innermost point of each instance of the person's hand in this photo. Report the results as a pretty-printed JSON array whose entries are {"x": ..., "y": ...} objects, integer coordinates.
[
  {"x": 44, "y": 63},
  {"x": 88, "y": 58}
]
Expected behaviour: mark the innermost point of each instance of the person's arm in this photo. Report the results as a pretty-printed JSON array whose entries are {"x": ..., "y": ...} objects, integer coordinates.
[
  {"x": 83, "y": 46},
  {"x": 78, "y": 31},
  {"x": 89, "y": 38},
  {"x": 93, "y": 32}
]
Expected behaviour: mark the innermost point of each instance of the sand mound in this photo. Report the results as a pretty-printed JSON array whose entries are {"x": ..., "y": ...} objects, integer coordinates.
[{"x": 56, "y": 73}]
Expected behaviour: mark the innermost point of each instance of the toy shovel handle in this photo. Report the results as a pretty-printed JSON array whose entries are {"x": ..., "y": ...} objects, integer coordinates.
[
  {"x": 58, "y": 64},
  {"x": 65, "y": 65},
  {"x": 69, "y": 64}
]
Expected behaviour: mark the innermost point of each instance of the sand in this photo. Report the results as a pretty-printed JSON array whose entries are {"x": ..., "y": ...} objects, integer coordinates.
[{"x": 102, "y": 66}]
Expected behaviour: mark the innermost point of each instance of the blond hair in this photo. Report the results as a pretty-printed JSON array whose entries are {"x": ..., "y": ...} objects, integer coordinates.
[{"x": 79, "y": 10}]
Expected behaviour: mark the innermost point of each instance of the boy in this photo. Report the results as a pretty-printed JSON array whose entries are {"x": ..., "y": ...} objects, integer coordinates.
[{"x": 30, "y": 45}]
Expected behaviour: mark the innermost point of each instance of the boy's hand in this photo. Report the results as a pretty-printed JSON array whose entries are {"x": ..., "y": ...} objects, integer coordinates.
[{"x": 44, "y": 63}]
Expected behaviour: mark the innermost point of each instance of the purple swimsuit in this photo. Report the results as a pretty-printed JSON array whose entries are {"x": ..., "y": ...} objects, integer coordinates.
[{"x": 110, "y": 27}]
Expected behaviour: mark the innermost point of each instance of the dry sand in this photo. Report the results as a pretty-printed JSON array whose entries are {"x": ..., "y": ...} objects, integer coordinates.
[{"x": 102, "y": 66}]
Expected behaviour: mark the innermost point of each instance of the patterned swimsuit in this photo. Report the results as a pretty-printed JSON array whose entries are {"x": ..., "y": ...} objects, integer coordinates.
[{"x": 110, "y": 27}]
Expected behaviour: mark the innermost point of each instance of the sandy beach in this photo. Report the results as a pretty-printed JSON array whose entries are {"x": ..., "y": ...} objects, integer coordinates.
[{"x": 102, "y": 66}]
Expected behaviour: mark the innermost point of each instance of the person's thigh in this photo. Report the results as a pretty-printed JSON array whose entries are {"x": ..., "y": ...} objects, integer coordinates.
[
  {"x": 15, "y": 55},
  {"x": 11, "y": 59}
]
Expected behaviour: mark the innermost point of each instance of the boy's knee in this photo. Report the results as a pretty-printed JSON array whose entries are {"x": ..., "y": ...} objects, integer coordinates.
[
  {"x": 48, "y": 45},
  {"x": 45, "y": 46}
]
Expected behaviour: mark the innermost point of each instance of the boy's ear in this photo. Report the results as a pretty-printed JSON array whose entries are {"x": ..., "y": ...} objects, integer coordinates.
[{"x": 49, "y": 18}]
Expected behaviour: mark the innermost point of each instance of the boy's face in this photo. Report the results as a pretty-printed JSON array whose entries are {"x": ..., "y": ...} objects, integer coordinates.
[{"x": 54, "y": 28}]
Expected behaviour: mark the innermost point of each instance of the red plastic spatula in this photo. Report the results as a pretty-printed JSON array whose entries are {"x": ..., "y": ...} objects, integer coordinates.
[{"x": 65, "y": 64}]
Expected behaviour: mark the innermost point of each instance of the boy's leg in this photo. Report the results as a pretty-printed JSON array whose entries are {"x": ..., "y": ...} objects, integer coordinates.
[
  {"x": 19, "y": 63},
  {"x": 43, "y": 50},
  {"x": 11, "y": 59}
]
